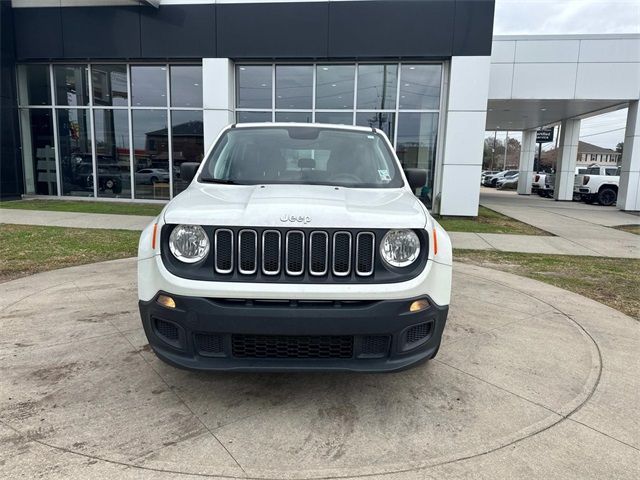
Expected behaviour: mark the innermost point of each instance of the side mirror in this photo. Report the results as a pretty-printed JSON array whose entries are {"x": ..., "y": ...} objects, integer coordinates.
[
  {"x": 417, "y": 177},
  {"x": 188, "y": 171}
]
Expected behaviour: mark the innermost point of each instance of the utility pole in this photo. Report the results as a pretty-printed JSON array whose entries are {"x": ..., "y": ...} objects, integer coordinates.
[
  {"x": 493, "y": 150},
  {"x": 506, "y": 147}
]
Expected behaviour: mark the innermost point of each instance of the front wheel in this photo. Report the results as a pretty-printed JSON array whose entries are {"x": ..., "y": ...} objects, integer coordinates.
[{"x": 607, "y": 197}]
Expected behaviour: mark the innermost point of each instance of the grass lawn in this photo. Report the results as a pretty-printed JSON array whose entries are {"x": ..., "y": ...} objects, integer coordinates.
[
  {"x": 629, "y": 228},
  {"x": 488, "y": 221},
  {"x": 27, "y": 249},
  {"x": 612, "y": 281},
  {"x": 119, "y": 208}
]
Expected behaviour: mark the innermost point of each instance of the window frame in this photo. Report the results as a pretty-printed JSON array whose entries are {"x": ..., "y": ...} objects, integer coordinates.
[{"x": 54, "y": 107}]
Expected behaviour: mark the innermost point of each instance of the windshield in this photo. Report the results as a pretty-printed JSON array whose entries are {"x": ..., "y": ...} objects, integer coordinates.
[{"x": 302, "y": 155}]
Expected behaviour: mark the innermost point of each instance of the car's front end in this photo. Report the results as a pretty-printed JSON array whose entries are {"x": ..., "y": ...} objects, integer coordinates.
[{"x": 272, "y": 277}]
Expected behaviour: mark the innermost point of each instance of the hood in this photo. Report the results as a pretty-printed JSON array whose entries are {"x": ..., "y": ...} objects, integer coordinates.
[{"x": 315, "y": 206}]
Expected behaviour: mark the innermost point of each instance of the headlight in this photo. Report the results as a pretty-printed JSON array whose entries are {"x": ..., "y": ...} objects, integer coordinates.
[
  {"x": 189, "y": 243},
  {"x": 400, "y": 248}
]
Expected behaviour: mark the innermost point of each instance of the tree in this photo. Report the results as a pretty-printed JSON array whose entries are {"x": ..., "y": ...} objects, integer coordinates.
[{"x": 619, "y": 147}]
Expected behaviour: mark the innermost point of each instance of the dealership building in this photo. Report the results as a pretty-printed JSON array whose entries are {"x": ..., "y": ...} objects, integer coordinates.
[{"x": 105, "y": 99}]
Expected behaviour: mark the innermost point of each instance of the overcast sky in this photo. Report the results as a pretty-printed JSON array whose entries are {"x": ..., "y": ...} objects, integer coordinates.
[
  {"x": 552, "y": 17},
  {"x": 514, "y": 17}
]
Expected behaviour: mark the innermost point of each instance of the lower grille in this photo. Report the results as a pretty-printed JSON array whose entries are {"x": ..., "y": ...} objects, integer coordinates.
[
  {"x": 417, "y": 334},
  {"x": 374, "y": 346},
  {"x": 281, "y": 346},
  {"x": 209, "y": 344},
  {"x": 167, "y": 330}
]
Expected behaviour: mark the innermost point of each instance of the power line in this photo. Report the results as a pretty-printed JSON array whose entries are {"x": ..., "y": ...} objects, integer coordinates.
[{"x": 601, "y": 133}]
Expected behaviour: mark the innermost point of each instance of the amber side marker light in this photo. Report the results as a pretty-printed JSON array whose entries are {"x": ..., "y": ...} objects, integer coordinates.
[
  {"x": 419, "y": 305},
  {"x": 435, "y": 242},
  {"x": 166, "y": 301},
  {"x": 153, "y": 237}
]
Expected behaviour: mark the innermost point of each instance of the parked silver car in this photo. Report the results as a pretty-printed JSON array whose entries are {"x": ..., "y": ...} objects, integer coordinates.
[{"x": 152, "y": 175}]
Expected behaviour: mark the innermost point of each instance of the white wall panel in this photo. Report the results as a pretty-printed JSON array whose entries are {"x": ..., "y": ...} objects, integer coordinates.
[
  {"x": 464, "y": 139},
  {"x": 608, "y": 81},
  {"x": 503, "y": 51},
  {"x": 629, "y": 193},
  {"x": 218, "y": 83},
  {"x": 547, "y": 51},
  {"x": 460, "y": 190},
  {"x": 469, "y": 83},
  {"x": 501, "y": 80},
  {"x": 214, "y": 122},
  {"x": 544, "y": 80},
  {"x": 609, "y": 50}
]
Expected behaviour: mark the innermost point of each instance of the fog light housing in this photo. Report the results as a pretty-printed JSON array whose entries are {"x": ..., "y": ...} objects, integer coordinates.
[
  {"x": 419, "y": 305},
  {"x": 166, "y": 301}
]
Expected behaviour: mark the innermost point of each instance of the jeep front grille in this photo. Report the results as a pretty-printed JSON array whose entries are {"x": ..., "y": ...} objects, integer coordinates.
[{"x": 294, "y": 252}]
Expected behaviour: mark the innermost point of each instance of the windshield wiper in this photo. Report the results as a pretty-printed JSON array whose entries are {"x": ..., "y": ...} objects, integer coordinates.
[{"x": 219, "y": 180}]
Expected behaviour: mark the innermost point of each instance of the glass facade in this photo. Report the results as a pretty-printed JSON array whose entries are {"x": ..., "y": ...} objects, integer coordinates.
[
  {"x": 121, "y": 130},
  {"x": 401, "y": 99},
  {"x": 109, "y": 129}
]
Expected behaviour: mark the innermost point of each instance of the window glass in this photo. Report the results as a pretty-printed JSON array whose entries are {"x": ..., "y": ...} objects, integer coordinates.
[
  {"x": 109, "y": 84},
  {"x": 253, "y": 117},
  {"x": 186, "y": 86},
  {"x": 254, "y": 86},
  {"x": 72, "y": 87},
  {"x": 112, "y": 153},
  {"x": 303, "y": 117},
  {"x": 420, "y": 87},
  {"x": 294, "y": 86},
  {"x": 33, "y": 84},
  {"x": 377, "y": 86},
  {"x": 151, "y": 154},
  {"x": 611, "y": 171},
  {"x": 187, "y": 134},
  {"x": 74, "y": 146},
  {"x": 302, "y": 155},
  {"x": 335, "y": 85},
  {"x": 416, "y": 147},
  {"x": 385, "y": 121},
  {"x": 38, "y": 153},
  {"x": 149, "y": 86},
  {"x": 336, "y": 118}
]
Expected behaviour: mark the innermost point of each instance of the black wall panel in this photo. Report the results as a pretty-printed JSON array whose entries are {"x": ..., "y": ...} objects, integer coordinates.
[
  {"x": 178, "y": 31},
  {"x": 101, "y": 32},
  {"x": 350, "y": 29},
  {"x": 38, "y": 33},
  {"x": 473, "y": 27},
  {"x": 270, "y": 30},
  {"x": 11, "y": 185},
  {"x": 391, "y": 29}
]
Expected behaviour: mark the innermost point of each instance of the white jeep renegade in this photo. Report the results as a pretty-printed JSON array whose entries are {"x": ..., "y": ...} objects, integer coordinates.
[{"x": 296, "y": 247}]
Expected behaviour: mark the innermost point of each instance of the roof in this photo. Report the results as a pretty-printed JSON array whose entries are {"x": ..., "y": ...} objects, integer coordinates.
[
  {"x": 585, "y": 147},
  {"x": 187, "y": 129}
]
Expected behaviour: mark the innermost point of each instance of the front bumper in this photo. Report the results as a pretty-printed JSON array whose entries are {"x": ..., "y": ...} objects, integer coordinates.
[{"x": 282, "y": 335}]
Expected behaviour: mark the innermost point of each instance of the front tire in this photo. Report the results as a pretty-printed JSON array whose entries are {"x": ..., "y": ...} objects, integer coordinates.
[{"x": 607, "y": 197}]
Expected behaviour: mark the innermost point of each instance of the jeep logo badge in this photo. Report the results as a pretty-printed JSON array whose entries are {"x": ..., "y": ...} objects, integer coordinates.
[{"x": 295, "y": 218}]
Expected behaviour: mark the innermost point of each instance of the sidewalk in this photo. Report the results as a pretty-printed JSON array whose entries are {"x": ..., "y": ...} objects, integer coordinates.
[
  {"x": 582, "y": 227},
  {"x": 574, "y": 235},
  {"x": 74, "y": 219}
]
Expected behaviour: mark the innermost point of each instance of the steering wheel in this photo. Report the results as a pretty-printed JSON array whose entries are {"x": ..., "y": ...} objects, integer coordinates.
[{"x": 346, "y": 177}]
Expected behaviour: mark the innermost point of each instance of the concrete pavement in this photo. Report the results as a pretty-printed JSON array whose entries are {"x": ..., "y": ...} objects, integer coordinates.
[
  {"x": 543, "y": 386},
  {"x": 74, "y": 219},
  {"x": 583, "y": 227}
]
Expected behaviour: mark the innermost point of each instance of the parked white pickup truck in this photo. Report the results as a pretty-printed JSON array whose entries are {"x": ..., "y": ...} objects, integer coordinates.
[{"x": 598, "y": 184}]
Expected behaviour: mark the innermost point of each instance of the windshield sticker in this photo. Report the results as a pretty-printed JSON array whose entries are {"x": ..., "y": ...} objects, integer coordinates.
[{"x": 384, "y": 175}]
